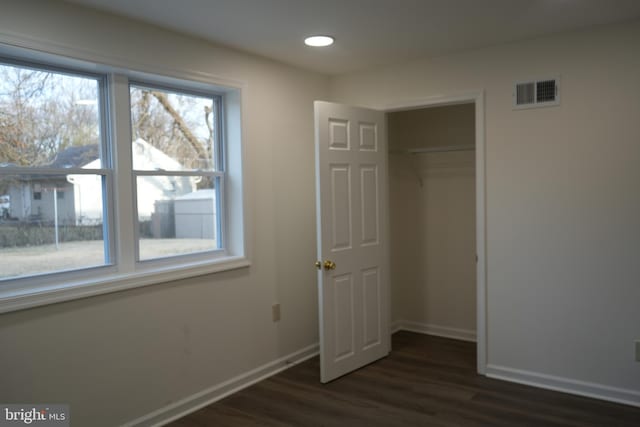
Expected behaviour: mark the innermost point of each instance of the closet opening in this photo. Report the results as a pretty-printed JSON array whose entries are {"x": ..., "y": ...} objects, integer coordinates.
[{"x": 436, "y": 221}]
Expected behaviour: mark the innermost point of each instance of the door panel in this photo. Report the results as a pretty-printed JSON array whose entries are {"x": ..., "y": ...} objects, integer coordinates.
[
  {"x": 371, "y": 301},
  {"x": 351, "y": 170},
  {"x": 341, "y": 206},
  {"x": 368, "y": 137},
  {"x": 339, "y": 134},
  {"x": 343, "y": 317},
  {"x": 369, "y": 209}
]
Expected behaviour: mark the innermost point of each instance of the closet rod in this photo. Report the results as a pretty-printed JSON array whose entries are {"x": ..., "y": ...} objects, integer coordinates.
[{"x": 441, "y": 149}]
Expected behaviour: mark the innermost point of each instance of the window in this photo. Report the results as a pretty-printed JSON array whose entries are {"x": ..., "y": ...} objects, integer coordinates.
[
  {"x": 115, "y": 180},
  {"x": 50, "y": 132},
  {"x": 178, "y": 171}
]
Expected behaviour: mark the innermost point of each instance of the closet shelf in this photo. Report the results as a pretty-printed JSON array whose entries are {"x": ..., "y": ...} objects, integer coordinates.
[{"x": 441, "y": 149}]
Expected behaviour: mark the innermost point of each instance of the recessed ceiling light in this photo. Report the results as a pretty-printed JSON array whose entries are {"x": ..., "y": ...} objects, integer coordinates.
[{"x": 319, "y": 41}]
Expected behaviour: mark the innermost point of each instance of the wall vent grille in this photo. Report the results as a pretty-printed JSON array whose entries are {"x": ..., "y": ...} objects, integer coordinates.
[{"x": 536, "y": 93}]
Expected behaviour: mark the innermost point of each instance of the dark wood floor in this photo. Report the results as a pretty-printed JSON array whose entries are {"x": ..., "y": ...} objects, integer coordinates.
[{"x": 426, "y": 381}]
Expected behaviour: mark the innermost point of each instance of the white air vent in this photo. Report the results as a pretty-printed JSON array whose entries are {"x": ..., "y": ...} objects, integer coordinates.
[{"x": 536, "y": 93}]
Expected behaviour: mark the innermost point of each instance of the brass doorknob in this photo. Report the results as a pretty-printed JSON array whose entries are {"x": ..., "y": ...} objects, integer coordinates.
[{"x": 329, "y": 265}]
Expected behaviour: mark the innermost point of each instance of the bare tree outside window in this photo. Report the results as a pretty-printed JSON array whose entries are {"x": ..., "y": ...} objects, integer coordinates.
[
  {"x": 180, "y": 125},
  {"x": 43, "y": 113}
]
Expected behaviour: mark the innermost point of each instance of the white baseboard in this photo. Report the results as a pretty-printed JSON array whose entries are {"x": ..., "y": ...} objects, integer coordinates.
[
  {"x": 206, "y": 397},
  {"x": 550, "y": 382},
  {"x": 396, "y": 326},
  {"x": 566, "y": 385},
  {"x": 437, "y": 330}
]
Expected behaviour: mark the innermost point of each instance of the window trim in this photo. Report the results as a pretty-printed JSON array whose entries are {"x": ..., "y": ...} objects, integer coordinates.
[{"x": 37, "y": 290}]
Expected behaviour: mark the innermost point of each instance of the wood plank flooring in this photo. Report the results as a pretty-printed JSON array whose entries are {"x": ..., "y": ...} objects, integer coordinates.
[{"x": 425, "y": 381}]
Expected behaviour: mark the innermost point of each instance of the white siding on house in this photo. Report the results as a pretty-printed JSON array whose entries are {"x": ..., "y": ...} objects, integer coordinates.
[
  {"x": 195, "y": 215},
  {"x": 24, "y": 205},
  {"x": 88, "y": 188}
]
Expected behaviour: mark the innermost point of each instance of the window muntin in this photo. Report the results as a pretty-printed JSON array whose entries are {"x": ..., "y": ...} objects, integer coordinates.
[
  {"x": 177, "y": 167},
  {"x": 51, "y": 131}
]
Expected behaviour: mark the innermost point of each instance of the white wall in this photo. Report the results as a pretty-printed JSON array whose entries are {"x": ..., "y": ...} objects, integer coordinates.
[
  {"x": 432, "y": 221},
  {"x": 562, "y": 201},
  {"x": 117, "y": 357}
]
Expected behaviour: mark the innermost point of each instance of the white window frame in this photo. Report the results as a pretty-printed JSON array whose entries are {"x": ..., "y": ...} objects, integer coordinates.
[
  {"x": 218, "y": 173},
  {"x": 124, "y": 271}
]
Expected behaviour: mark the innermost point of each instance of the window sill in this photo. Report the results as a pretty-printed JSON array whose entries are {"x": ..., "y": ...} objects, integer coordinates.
[{"x": 14, "y": 300}]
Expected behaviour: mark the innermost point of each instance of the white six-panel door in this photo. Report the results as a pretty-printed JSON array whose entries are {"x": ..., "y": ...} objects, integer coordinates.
[{"x": 351, "y": 203}]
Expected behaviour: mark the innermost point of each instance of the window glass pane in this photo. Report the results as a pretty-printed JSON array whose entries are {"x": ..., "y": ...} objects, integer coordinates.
[
  {"x": 48, "y": 119},
  {"x": 176, "y": 215},
  {"x": 173, "y": 131},
  {"x": 60, "y": 229}
]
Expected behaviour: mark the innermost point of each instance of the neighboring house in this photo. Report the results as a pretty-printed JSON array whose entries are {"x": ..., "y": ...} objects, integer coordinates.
[
  {"x": 32, "y": 196},
  {"x": 151, "y": 189},
  {"x": 33, "y": 199},
  {"x": 5, "y": 205},
  {"x": 79, "y": 196}
]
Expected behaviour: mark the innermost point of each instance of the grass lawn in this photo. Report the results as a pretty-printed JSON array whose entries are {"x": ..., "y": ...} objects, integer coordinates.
[{"x": 73, "y": 255}]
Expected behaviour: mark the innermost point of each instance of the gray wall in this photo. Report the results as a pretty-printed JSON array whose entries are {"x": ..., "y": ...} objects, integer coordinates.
[{"x": 562, "y": 200}]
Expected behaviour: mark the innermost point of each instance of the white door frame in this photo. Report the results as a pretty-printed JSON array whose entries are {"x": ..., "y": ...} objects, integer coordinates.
[{"x": 476, "y": 97}]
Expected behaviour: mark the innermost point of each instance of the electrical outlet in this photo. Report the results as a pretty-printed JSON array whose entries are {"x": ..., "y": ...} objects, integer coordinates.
[
  {"x": 638, "y": 351},
  {"x": 275, "y": 312}
]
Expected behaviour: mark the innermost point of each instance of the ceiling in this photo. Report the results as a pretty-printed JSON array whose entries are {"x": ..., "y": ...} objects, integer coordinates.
[{"x": 368, "y": 33}]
